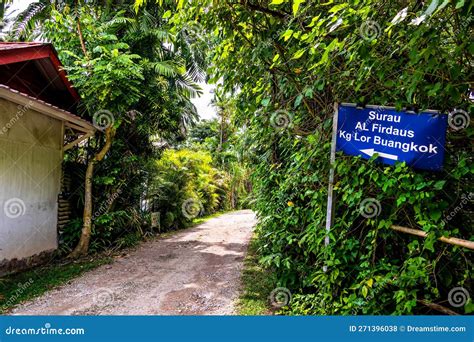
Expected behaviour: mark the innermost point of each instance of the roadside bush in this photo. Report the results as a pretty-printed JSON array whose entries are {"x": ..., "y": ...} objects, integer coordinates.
[
  {"x": 287, "y": 63},
  {"x": 371, "y": 268},
  {"x": 186, "y": 186},
  {"x": 223, "y": 141}
]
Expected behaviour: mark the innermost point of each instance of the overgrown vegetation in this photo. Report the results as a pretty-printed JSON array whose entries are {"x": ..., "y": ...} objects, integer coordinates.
[
  {"x": 222, "y": 140},
  {"x": 136, "y": 74},
  {"x": 285, "y": 63},
  {"x": 279, "y": 66},
  {"x": 135, "y": 94},
  {"x": 186, "y": 186}
]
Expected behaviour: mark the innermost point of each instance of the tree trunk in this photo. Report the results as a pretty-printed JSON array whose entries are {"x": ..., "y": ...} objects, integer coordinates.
[
  {"x": 81, "y": 38},
  {"x": 83, "y": 246},
  {"x": 79, "y": 29}
]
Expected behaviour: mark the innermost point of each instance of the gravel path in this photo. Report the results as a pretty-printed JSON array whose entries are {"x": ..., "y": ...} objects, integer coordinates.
[{"x": 194, "y": 272}]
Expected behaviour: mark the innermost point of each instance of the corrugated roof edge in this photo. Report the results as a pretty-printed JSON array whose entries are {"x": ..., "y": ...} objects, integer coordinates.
[
  {"x": 66, "y": 116},
  {"x": 20, "y": 45}
]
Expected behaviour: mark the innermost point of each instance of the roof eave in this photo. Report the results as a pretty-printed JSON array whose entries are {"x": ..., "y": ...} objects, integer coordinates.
[
  {"x": 35, "y": 51},
  {"x": 45, "y": 108}
]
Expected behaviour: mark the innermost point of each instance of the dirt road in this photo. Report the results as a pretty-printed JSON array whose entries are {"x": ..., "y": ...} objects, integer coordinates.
[{"x": 194, "y": 272}]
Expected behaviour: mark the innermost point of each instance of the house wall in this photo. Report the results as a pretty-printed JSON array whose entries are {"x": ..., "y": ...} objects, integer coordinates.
[{"x": 30, "y": 171}]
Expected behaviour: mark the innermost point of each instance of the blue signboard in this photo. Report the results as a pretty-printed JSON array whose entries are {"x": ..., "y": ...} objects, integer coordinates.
[{"x": 417, "y": 139}]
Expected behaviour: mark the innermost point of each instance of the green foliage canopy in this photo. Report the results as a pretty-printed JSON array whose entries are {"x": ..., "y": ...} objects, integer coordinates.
[{"x": 292, "y": 60}]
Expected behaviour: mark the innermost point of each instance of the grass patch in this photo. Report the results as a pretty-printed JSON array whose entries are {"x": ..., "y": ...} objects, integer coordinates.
[
  {"x": 27, "y": 285},
  {"x": 257, "y": 283}
]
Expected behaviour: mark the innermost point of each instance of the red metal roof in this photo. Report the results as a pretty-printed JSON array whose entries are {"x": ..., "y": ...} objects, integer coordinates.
[
  {"x": 20, "y": 45},
  {"x": 16, "y": 54}
]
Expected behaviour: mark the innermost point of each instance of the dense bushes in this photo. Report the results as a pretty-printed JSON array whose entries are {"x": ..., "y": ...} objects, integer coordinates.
[
  {"x": 202, "y": 177},
  {"x": 286, "y": 64},
  {"x": 136, "y": 79},
  {"x": 371, "y": 268},
  {"x": 224, "y": 142},
  {"x": 185, "y": 186},
  {"x": 180, "y": 185}
]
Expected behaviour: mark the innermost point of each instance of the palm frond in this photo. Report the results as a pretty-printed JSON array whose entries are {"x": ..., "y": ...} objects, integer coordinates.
[
  {"x": 196, "y": 72},
  {"x": 167, "y": 68},
  {"x": 25, "y": 22},
  {"x": 188, "y": 87}
]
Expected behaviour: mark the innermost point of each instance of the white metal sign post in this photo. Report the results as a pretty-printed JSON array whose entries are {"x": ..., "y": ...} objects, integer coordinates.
[{"x": 332, "y": 160}]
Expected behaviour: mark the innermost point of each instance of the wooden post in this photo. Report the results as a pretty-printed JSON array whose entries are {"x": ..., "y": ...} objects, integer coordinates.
[{"x": 332, "y": 160}]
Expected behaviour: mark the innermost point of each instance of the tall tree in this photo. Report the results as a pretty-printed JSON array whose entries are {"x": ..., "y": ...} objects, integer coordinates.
[{"x": 132, "y": 77}]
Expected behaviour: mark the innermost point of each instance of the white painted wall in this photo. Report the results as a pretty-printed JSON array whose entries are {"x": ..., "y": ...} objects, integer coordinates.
[{"x": 30, "y": 172}]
